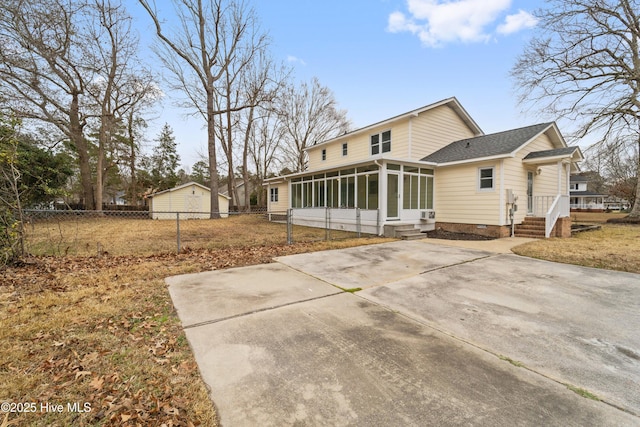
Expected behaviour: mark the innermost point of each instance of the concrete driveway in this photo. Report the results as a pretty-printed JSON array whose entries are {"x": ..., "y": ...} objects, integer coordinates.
[{"x": 438, "y": 335}]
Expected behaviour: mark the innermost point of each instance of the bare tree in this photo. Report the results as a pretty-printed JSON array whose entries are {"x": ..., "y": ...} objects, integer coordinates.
[
  {"x": 309, "y": 115},
  {"x": 584, "y": 66},
  {"x": 197, "y": 54},
  {"x": 265, "y": 145},
  {"x": 41, "y": 59},
  {"x": 120, "y": 84}
]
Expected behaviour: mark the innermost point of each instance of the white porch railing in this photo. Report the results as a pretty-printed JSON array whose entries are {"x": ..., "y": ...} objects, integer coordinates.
[{"x": 559, "y": 207}]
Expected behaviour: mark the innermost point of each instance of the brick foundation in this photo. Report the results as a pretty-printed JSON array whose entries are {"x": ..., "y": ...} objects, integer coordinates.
[
  {"x": 496, "y": 231},
  {"x": 562, "y": 227}
]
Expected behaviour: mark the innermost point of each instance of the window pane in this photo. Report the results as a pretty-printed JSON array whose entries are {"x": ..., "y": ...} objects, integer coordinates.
[
  {"x": 362, "y": 191},
  {"x": 351, "y": 192},
  {"x": 414, "y": 192},
  {"x": 386, "y": 141},
  {"x": 375, "y": 144},
  {"x": 426, "y": 171},
  {"x": 393, "y": 167},
  {"x": 486, "y": 178},
  {"x": 411, "y": 169},
  {"x": 332, "y": 193},
  {"x": 308, "y": 194},
  {"x": 319, "y": 194},
  {"x": 373, "y": 192},
  {"x": 429, "y": 193},
  {"x": 296, "y": 195},
  {"x": 423, "y": 192},
  {"x": 406, "y": 192}
]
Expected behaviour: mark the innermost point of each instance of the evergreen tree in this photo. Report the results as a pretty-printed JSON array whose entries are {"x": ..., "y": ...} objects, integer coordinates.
[{"x": 164, "y": 161}]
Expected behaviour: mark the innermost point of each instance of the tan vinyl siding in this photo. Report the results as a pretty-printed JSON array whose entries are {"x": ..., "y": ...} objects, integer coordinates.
[
  {"x": 459, "y": 200},
  {"x": 283, "y": 198},
  {"x": 359, "y": 148},
  {"x": 435, "y": 129},
  {"x": 189, "y": 201}
]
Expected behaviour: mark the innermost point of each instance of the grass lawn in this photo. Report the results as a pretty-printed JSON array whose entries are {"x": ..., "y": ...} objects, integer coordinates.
[
  {"x": 613, "y": 247},
  {"x": 101, "y": 333}
]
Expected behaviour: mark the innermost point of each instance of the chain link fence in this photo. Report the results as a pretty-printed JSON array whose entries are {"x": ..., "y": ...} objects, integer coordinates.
[{"x": 97, "y": 233}]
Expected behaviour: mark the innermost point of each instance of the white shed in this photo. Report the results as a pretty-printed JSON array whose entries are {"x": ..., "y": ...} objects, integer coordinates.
[{"x": 192, "y": 200}]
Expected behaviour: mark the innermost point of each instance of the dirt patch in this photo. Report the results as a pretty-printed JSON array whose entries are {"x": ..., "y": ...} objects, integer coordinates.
[{"x": 450, "y": 235}]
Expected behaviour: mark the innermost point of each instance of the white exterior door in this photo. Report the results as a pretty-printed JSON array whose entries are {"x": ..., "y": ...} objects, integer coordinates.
[
  {"x": 530, "y": 193},
  {"x": 393, "y": 196}
]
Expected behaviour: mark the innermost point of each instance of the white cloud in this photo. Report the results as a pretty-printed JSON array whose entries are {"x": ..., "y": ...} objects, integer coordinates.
[
  {"x": 437, "y": 22},
  {"x": 294, "y": 59},
  {"x": 520, "y": 21}
]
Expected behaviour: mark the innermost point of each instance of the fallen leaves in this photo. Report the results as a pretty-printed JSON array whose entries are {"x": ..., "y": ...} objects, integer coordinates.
[{"x": 102, "y": 330}]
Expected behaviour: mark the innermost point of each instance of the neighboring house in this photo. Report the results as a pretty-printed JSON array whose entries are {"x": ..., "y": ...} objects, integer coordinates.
[
  {"x": 432, "y": 167},
  {"x": 582, "y": 199},
  {"x": 192, "y": 200},
  {"x": 240, "y": 188}
]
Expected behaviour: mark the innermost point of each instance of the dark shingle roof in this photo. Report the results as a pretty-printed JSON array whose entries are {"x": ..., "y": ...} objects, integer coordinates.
[
  {"x": 579, "y": 178},
  {"x": 550, "y": 153},
  {"x": 586, "y": 193},
  {"x": 487, "y": 145}
]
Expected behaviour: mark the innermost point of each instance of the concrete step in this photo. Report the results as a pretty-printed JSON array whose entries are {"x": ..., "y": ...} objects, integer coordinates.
[
  {"x": 530, "y": 235},
  {"x": 414, "y": 235}
]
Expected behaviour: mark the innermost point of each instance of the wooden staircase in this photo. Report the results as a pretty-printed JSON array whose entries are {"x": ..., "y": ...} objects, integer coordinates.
[{"x": 533, "y": 227}]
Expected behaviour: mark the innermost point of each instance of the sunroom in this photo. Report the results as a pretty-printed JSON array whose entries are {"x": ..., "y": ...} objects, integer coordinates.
[{"x": 363, "y": 197}]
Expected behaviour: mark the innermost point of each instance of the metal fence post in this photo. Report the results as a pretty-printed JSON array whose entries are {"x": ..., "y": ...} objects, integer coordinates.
[
  {"x": 326, "y": 223},
  {"x": 289, "y": 226},
  {"x": 358, "y": 223},
  {"x": 178, "y": 230}
]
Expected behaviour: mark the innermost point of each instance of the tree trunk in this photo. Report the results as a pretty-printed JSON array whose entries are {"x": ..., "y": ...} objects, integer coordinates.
[
  {"x": 635, "y": 210},
  {"x": 213, "y": 161},
  {"x": 245, "y": 162},
  {"x": 77, "y": 138}
]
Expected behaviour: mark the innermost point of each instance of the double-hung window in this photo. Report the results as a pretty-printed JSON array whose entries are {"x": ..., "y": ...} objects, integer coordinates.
[
  {"x": 274, "y": 194},
  {"x": 486, "y": 179},
  {"x": 381, "y": 143},
  {"x": 344, "y": 149},
  {"x": 324, "y": 154}
]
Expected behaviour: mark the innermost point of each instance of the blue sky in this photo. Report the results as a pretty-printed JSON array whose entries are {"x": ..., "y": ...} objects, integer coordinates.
[{"x": 382, "y": 58}]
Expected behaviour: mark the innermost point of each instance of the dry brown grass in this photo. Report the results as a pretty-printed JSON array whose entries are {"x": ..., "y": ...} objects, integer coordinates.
[
  {"x": 595, "y": 217},
  {"x": 103, "y": 331},
  {"x": 122, "y": 236},
  {"x": 613, "y": 247}
]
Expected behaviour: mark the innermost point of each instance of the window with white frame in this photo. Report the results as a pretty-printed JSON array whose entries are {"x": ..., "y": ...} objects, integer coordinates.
[
  {"x": 486, "y": 179},
  {"x": 344, "y": 149},
  {"x": 381, "y": 143},
  {"x": 274, "y": 194},
  {"x": 324, "y": 154}
]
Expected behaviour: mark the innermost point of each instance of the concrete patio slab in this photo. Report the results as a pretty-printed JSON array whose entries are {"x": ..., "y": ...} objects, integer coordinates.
[
  {"x": 375, "y": 265},
  {"x": 574, "y": 324},
  {"x": 216, "y": 295},
  {"x": 427, "y": 342},
  {"x": 343, "y": 361}
]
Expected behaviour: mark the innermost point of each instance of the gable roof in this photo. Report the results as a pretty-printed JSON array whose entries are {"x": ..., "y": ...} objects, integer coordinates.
[
  {"x": 558, "y": 152},
  {"x": 180, "y": 187},
  {"x": 487, "y": 146},
  {"x": 452, "y": 102}
]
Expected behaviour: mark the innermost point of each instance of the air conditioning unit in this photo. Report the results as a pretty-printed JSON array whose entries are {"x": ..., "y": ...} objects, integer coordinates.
[{"x": 427, "y": 215}]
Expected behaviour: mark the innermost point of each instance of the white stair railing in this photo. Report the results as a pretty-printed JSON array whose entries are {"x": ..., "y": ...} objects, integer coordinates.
[{"x": 559, "y": 207}]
